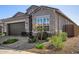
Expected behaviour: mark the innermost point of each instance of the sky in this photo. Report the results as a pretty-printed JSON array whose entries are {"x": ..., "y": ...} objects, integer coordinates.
[{"x": 72, "y": 11}]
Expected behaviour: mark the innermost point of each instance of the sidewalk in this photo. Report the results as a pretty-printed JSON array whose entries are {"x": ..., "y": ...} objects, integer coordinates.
[{"x": 2, "y": 51}]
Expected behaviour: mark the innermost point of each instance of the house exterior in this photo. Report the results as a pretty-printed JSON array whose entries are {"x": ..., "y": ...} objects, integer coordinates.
[{"x": 52, "y": 19}]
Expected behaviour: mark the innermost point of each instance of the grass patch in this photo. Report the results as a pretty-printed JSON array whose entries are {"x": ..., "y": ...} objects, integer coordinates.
[{"x": 10, "y": 41}]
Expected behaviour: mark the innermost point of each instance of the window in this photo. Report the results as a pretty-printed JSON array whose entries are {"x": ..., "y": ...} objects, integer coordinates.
[
  {"x": 42, "y": 22},
  {"x": 46, "y": 28}
]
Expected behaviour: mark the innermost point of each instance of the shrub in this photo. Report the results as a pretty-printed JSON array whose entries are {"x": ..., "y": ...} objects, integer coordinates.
[
  {"x": 39, "y": 46},
  {"x": 56, "y": 41},
  {"x": 10, "y": 41},
  {"x": 63, "y": 35},
  {"x": 2, "y": 33},
  {"x": 39, "y": 35},
  {"x": 32, "y": 39},
  {"x": 44, "y": 35}
]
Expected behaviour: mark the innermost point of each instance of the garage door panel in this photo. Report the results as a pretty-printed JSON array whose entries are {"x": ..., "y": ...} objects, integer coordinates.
[{"x": 16, "y": 28}]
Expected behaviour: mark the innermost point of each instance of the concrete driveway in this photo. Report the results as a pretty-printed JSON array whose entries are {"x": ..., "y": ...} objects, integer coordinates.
[{"x": 17, "y": 47}]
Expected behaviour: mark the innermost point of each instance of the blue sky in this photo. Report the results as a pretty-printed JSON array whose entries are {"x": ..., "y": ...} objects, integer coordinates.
[{"x": 72, "y": 11}]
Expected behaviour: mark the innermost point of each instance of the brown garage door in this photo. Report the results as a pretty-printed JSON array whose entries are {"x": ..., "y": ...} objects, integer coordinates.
[
  {"x": 16, "y": 28},
  {"x": 69, "y": 29}
]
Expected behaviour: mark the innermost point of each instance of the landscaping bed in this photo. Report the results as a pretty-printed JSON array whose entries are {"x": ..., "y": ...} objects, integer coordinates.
[
  {"x": 71, "y": 46},
  {"x": 59, "y": 44},
  {"x": 10, "y": 41},
  {"x": 53, "y": 44}
]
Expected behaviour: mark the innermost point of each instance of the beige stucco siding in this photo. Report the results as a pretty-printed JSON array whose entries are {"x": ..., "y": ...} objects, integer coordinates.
[
  {"x": 61, "y": 21},
  {"x": 27, "y": 24}
]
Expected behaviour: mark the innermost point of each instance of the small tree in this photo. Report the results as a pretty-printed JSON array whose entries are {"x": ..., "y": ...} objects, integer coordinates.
[{"x": 41, "y": 30}]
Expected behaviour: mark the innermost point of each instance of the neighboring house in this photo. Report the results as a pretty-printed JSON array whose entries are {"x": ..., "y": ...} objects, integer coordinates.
[{"x": 50, "y": 18}]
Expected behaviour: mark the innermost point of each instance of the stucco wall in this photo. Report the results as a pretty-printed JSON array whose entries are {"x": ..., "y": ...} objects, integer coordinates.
[
  {"x": 61, "y": 21},
  {"x": 27, "y": 24}
]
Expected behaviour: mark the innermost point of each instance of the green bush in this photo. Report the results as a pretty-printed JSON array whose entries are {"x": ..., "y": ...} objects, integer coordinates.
[
  {"x": 63, "y": 35},
  {"x": 44, "y": 35},
  {"x": 39, "y": 46},
  {"x": 56, "y": 41},
  {"x": 32, "y": 39},
  {"x": 10, "y": 41},
  {"x": 2, "y": 33}
]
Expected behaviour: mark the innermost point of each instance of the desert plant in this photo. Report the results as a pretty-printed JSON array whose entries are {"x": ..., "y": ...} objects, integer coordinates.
[
  {"x": 42, "y": 34},
  {"x": 56, "y": 41},
  {"x": 39, "y": 46},
  {"x": 32, "y": 39},
  {"x": 10, "y": 41},
  {"x": 2, "y": 33},
  {"x": 40, "y": 29},
  {"x": 45, "y": 35},
  {"x": 63, "y": 35}
]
